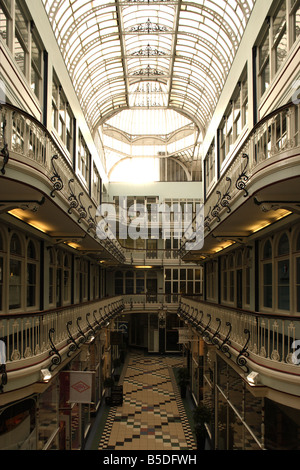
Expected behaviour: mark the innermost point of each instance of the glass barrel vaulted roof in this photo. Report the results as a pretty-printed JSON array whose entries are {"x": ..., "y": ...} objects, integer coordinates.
[{"x": 148, "y": 54}]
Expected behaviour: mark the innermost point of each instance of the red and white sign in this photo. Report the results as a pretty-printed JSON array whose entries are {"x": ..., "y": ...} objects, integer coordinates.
[{"x": 80, "y": 386}]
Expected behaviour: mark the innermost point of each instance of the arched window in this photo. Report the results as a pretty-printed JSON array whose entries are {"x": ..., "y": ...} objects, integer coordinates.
[
  {"x": 283, "y": 273},
  {"x": 283, "y": 245},
  {"x": 267, "y": 267},
  {"x": 16, "y": 277},
  {"x": 31, "y": 299},
  {"x": 267, "y": 250}
]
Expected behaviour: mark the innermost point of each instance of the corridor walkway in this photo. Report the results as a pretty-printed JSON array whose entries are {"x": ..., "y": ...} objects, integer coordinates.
[{"x": 152, "y": 416}]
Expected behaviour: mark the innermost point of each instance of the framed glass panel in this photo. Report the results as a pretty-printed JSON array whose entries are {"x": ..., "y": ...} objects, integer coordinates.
[{"x": 283, "y": 284}]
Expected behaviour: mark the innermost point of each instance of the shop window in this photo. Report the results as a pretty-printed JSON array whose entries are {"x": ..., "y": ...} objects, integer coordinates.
[
  {"x": 62, "y": 116},
  {"x": 279, "y": 36},
  {"x": 234, "y": 119},
  {"x": 267, "y": 275},
  {"x": 129, "y": 282},
  {"x": 31, "y": 275},
  {"x": 210, "y": 288},
  {"x": 247, "y": 262},
  {"x": 96, "y": 185},
  {"x": 224, "y": 279},
  {"x": 36, "y": 67},
  {"x": 231, "y": 278},
  {"x": 295, "y": 19},
  {"x": 118, "y": 283},
  {"x": 16, "y": 273},
  {"x": 264, "y": 72},
  {"x": 21, "y": 38},
  {"x": 283, "y": 273},
  {"x": 140, "y": 282},
  {"x": 5, "y": 18},
  {"x": 210, "y": 165}
]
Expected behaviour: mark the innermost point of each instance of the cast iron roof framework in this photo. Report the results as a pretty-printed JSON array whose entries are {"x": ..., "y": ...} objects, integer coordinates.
[{"x": 111, "y": 47}]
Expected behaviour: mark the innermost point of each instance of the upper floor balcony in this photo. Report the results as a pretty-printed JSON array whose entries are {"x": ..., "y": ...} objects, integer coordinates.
[
  {"x": 266, "y": 344},
  {"x": 258, "y": 184},
  {"x": 51, "y": 196},
  {"x": 44, "y": 340}
]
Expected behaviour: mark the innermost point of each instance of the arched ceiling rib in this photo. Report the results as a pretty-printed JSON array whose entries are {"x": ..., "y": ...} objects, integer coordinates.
[{"x": 110, "y": 47}]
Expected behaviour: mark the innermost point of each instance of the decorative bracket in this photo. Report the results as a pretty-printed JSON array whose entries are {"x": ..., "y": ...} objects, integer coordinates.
[
  {"x": 9, "y": 205},
  {"x": 55, "y": 179},
  {"x": 83, "y": 337},
  {"x": 73, "y": 345},
  {"x": 266, "y": 206},
  {"x": 243, "y": 178},
  {"x": 216, "y": 336},
  {"x": 226, "y": 197},
  {"x": 224, "y": 348},
  {"x": 4, "y": 152},
  {"x": 241, "y": 359},
  {"x": 72, "y": 198},
  {"x": 56, "y": 357},
  {"x": 82, "y": 211}
]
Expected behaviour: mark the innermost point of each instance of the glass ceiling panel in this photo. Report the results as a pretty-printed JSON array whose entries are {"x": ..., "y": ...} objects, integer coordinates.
[{"x": 114, "y": 50}]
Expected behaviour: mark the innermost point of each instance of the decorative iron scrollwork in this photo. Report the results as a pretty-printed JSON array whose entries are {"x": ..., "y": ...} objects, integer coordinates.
[
  {"x": 72, "y": 198},
  {"x": 98, "y": 327},
  {"x": 91, "y": 221},
  {"x": 54, "y": 353},
  {"x": 82, "y": 338},
  {"x": 224, "y": 347},
  {"x": 226, "y": 196},
  {"x": 243, "y": 178},
  {"x": 207, "y": 221},
  {"x": 205, "y": 333},
  {"x": 216, "y": 336},
  {"x": 82, "y": 210},
  {"x": 148, "y": 27},
  {"x": 4, "y": 152},
  {"x": 73, "y": 345},
  {"x": 241, "y": 359},
  {"x": 148, "y": 51},
  {"x": 216, "y": 209},
  {"x": 148, "y": 71},
  {"x": 93, "y": 332},
  {"x": 55, "y": 179}
]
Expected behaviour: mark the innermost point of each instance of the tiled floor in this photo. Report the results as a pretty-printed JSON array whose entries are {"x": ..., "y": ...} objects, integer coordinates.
[{"x": 152, "y": 416}]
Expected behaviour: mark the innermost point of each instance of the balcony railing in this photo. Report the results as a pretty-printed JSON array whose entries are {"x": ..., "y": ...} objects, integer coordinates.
[
  {"x": 44, "y": 336},
  {"x": 144, "y": 302},
  {"x": 26, "y": 140},
  {"x": 266, "y": 340},
  {"x": 274, "y": 135}
]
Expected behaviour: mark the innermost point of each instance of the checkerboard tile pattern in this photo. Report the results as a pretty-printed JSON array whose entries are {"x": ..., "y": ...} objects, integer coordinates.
[{"x": 152, "y": 416}]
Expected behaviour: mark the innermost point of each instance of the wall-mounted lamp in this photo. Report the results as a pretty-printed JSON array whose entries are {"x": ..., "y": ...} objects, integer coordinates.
[
  {"x": 252, "y": 378},
  {"x": 46, "y": 375}
]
